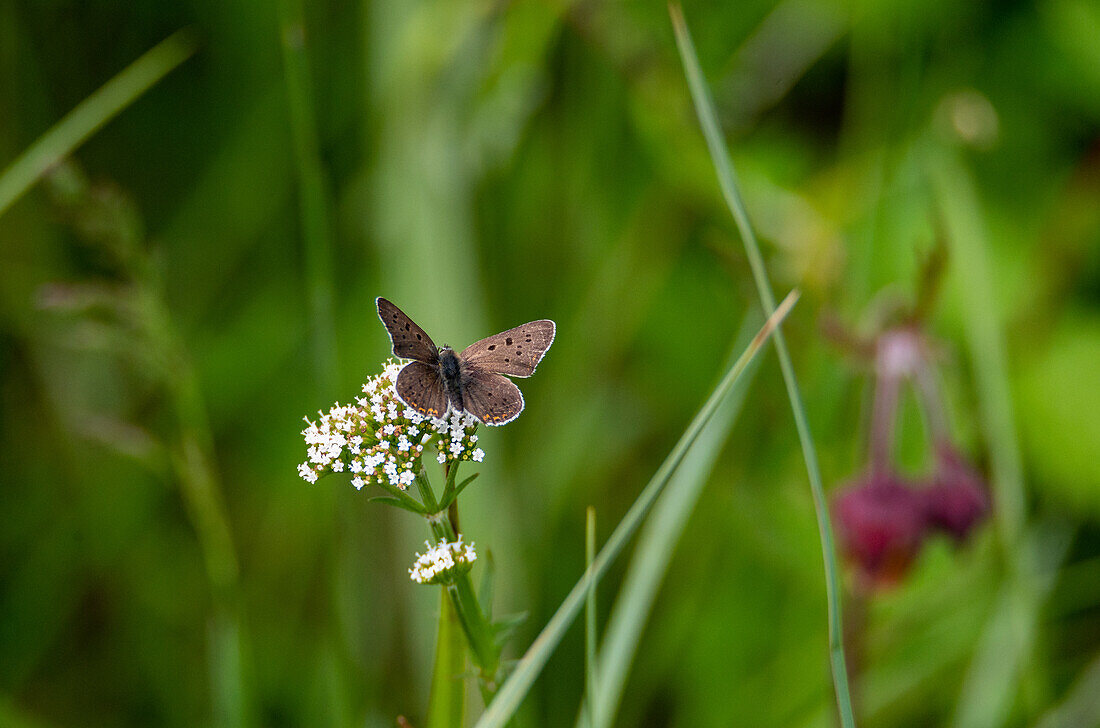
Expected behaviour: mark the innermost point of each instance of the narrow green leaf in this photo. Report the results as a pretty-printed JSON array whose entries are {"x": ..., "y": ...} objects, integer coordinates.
[
  {"x": 449, "y": 498},
  {"x": 506, "y": 626},
  {"x": 656, "y": 545},
  {"x": 590, "y": 613},
  {"x": 528, "y": 668},
  {"x": 727, "y": 180},
  {"x": 447, "y": 703},
  {"x": 91, "y": 114}
]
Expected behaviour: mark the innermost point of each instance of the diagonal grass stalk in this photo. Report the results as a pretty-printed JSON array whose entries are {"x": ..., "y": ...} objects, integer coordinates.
[
  {"x": 91, "y": 114},
  {"x": 656, "y": 546},
  {"x": 530, "y": 665},
  {"x": 727, "y": 180}
]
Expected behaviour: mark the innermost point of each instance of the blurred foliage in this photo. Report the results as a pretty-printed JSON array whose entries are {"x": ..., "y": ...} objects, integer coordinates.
[{"x": 165, "y": 295}]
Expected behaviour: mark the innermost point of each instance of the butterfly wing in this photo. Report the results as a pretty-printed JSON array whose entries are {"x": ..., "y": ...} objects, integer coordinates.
[
  {"x": 409, "y": 340},
  {"x": 515, "y": 352},
  {"x": 420, "y": 387},
  {"x": 491, "y": 398}
]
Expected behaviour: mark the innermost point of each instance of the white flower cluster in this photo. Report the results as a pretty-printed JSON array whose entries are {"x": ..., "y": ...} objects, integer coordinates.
[
  {"x": 457, "y": 440},
  {"x": 442, "y": 561},
  {"x": 380, "y": 440}
]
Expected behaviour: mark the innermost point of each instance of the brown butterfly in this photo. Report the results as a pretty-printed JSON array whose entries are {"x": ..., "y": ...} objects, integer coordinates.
[{"x": 439, "y": 380}]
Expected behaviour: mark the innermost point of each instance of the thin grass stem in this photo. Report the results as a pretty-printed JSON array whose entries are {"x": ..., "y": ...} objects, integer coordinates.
[
  {"x": 727, "y": 180},
  {"x": 92, "y": 113},
  {"x": 590, "y": 614}
]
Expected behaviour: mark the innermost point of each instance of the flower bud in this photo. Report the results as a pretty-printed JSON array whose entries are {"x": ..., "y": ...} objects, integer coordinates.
[
  {"x": 880, "y": 523},
  {"x": 958, "y": 498}
]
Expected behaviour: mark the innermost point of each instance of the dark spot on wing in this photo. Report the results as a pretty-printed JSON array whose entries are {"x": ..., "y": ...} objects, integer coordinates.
[
  {"x": 508, "y": 341},
  {"x": 492, "y": 347}
]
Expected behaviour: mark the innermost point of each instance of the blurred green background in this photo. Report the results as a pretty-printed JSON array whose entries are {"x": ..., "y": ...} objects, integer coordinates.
[{"x": 200, "y": 274}]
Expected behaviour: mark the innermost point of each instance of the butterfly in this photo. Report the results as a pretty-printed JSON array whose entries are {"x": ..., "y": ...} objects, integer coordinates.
[{"x": 439, "y": 379}]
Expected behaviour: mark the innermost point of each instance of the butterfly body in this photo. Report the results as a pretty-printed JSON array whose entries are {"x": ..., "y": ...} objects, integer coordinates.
[
  {"x": 439, "y": 379},
  {"x": 450, "y": 372}
]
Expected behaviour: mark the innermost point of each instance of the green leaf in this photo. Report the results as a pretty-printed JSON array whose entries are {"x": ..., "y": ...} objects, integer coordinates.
[
  {"x": 447, "y": 702},
  {"x": 527, "y": 669},
  {"x": 656, "y": 545},
  {"x": 506, "y": 626},
  {"x": 449, "y": 498}
]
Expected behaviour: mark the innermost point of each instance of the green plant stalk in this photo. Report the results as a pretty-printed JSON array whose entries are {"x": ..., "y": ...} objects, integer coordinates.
[
  {"x": 727, "y": 180},
  {"x": 92, "y": 113},
  {"x": 484, "y": 649},
  {"x": 315, "y": 208},
  {"x": 590, "y": 615},
  {"x": 530, "y": 665},
  {"x": 447, "y": 701}
]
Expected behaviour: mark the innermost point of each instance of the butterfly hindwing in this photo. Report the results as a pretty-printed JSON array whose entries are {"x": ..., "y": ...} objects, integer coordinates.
[
  {"x": 419, "y": 386},
  {"x": 515, "y": 352},
  {"x": 491, "y": 398},
  {"x": 409, "y": 340}
]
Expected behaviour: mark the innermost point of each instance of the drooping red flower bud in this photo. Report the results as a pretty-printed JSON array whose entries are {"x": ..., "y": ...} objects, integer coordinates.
[
  {"x": 958, "y": 498},
  {"x": 880, "y": 523}
]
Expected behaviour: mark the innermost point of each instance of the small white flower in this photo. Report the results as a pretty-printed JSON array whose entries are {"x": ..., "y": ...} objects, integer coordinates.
[
  {"x": 380, "y": 439},
  {"x": 440, "y": 563}
]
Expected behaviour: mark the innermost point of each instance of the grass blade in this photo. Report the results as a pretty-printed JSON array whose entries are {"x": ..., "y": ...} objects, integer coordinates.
[
  {"x": 530, "y": 665},
  {"x": 656, "y": 545},
  {"x": 727, "y": 180},
  {"x": 590, "y": 614},
  {"x": 91, "y": 114}
]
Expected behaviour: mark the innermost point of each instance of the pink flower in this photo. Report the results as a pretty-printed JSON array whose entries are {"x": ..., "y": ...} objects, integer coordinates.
[
  {"x": 881, "y": 524},
  {"x": 958, "y": 498}
]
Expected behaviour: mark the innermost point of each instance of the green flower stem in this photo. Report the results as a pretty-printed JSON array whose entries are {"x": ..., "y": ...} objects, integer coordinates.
[
  {"x": 479, "y": 632},
  {"x": 427, "y": 495}
]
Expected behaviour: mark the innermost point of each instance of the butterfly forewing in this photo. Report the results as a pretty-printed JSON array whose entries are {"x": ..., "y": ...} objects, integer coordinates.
[
  {"x": 515, "y": 352},
  {"x": 418, "y": 385},
  {"x": 490, "y": 397},
  {"x": 409, "y": 340}
]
